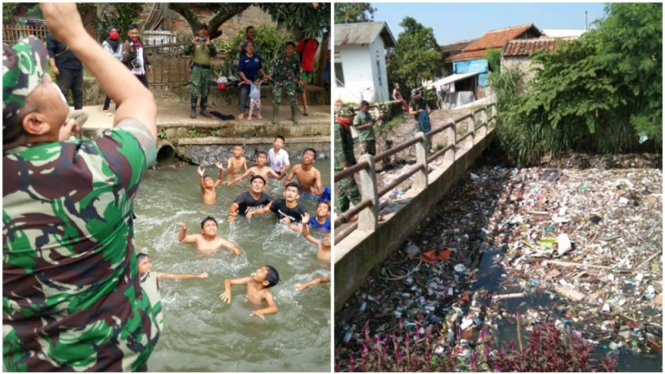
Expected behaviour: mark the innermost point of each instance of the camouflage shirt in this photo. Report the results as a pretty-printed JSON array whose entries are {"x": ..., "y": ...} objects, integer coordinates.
[
  {"x": 72, "y": 298},
  {"x": 285, "y": 68},
  {"x": 364, "y": 118},
  {"x": 344, "y": 156}
]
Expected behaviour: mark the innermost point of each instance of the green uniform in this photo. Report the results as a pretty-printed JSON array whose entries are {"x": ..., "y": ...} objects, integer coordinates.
[
  {"x": 285, "y": 73},
  {"x": 344, "y": 157},
  {"x": 366, "y": 136},
  {"x": 201, "y": 71},
  {"x": 72, "y": 297}
]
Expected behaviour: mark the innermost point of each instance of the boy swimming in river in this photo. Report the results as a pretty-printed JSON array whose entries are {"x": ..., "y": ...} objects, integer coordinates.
[
  {"x": 322, "y": 220},
  {"x": 258, "y": 292},
  {"x": 260, "y": 169},
  {"x": 208, "y": 185},
  {"x": 145, "y": 266},
  {"x": 308, "y": 176},
  {"x": 322, "y": 254},
  {"x": 235, "y": 164},
  {"x": 207, "y": 240}
]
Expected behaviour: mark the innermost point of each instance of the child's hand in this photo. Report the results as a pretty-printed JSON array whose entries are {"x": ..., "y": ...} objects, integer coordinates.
[
  {"x": 203, "y": 275},
  {"x": 232, "y": 217},
  {"x": 183, "y": 225},
  {"x": 227, "y": 183},
  {"x": 236, "y": 251},
  {"x": 219, "y": 165},
  {"x": 226, "y": 296},
  {"x": 314, "y": 190},
  {"x": 249, "y": 215},
  {"x": 305, "y": 218},
  {"x": 286, "y": 220},
  {"x": 258, "y": 313},
  {"x": 300, "y": 286},
  {"x": 200, "y": 171}
]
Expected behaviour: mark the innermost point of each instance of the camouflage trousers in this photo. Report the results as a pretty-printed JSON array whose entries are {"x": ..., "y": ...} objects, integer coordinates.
[
  {"x": 200, "y": 82},
  {"x": 347, "y": 193},
  {"x": 370, "y": 146},
  {"x": 291, "y": 92}
]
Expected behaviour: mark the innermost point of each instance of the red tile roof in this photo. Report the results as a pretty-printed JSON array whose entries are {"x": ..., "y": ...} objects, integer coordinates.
[
  {"x": 526, "y": 47},
  {"x": 494, "y": 39}
]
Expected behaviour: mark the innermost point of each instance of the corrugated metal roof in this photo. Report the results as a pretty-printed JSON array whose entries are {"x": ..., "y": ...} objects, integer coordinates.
[
  {"x": 493, "y": 39},
  {"x": 363, "y": 33},
  {"x": 450, "y": 79},
  {"x": 526, "y": 47}
]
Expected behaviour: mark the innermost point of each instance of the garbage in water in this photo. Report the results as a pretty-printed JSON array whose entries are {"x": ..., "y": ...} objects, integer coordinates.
[{"x": 569, "y": 251}]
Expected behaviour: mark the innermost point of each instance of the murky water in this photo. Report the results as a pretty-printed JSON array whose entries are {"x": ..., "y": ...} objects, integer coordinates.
[{"x": 202, "y": 333}]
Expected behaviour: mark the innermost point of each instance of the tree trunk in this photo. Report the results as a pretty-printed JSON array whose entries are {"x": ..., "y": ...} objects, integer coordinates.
[{"x": 226, "y": 12}]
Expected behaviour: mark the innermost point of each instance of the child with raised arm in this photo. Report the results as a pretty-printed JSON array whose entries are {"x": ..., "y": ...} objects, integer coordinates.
[
  {"x": 207, "y": 240},
  {"x": 236, "y": 164},
  {"x": 322, "y": 220},
  {"x": 322, "y": 254},
  {"x": 208, "y": 185},
  {"x": 308, "y": 176},
  {"x": 260, "y": 169},
  {"x": 145, "y": 266},
  {"x": 255, "y": 98},
  {"x": 258, "y": 292}
]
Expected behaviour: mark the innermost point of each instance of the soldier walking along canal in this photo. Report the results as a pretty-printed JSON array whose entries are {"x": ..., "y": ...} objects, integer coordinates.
[
  {"x": 348, "y": 189},
  {"x": 285, "y": 72},
  {"x": 202, "y": 51}
]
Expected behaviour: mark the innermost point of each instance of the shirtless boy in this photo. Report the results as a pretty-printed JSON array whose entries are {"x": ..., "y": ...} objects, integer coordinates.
[
  {"x": 260, "y": 169},
  {"x": 208, "y": 185},
  {"x": 207, "y": 240},
  {"x": 258, "y": 292},
  {"x": 308, "y": 176},
  {"x": 145, "y": 266},
  {"x": 322, "y": 254},
  {"x": 235, "y": 164}
]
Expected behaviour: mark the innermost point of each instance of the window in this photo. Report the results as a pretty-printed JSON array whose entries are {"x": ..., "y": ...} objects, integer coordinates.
[
  {"x": 378, "y": 69},
  {"x": 339, "y": 74}
]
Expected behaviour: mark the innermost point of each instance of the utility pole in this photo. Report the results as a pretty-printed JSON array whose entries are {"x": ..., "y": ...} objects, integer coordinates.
[{"x": 586, "y": 23}]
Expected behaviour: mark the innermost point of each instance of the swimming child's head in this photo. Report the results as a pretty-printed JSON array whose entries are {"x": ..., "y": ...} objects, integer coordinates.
[
  {"x": 257, "y": 183},
  {"x": 326, "y": 240},
  {"x": 237, "y": 150},
  {"x": 261, "y": 158},
  {"x": 292, "y": 192},
  {"x": 308, "y": 156},
  {"x": 208, "y": 181},
  {"x": 278, "y": 143},
  {"x": 323, "y": 209},
  {"x": 266, "y": 275},
  {"x": 145, "y": 265},
  {"x": 209, "y": 226}
]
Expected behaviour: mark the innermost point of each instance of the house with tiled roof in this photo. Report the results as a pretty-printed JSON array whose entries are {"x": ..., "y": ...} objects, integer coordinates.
[
  {"x": 472, "y": 58},
  {"x": 452, "y": 49},
  {"x": 518, "y": 53}
]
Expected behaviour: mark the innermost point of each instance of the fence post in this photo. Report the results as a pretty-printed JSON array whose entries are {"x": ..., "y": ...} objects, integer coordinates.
[
  {"x": 451, "y": 139},
  {"x": 470, "y": 128},
  {"x": 420, "y": 178},
  {"x": 367, "y": 219},
  {"x": 483, "y": 117}
]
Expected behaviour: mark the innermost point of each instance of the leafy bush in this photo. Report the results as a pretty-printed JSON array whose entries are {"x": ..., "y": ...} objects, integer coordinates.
[{"x": 270, "y": 40}]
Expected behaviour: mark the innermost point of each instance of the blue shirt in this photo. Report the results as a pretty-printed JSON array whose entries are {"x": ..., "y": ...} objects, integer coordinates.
[
  {"x": 250, "y": 66},
  {"x": 316, "y": 225},
  {"x": 325, "y": 196}
]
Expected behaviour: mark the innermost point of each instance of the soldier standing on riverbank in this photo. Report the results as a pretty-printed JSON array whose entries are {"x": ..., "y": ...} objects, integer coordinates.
[
  {"x": 348, "y": 189},
  {"x": 202, "y": 51}
]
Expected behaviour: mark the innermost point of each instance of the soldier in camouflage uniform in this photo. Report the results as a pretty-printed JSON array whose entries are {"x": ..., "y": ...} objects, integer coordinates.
[
  {"x": 285, "y": 71},
  {"x": 72, "y": 297},
  {"x": 202, "y": 51},
  {"x": 347, "y": 188}
]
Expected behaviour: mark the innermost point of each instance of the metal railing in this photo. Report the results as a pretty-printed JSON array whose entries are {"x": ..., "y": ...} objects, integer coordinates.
[{"x": 368, "y": 207}]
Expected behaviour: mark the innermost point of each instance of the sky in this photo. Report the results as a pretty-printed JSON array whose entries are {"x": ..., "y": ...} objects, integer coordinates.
[{"x": 452, "y": 22}]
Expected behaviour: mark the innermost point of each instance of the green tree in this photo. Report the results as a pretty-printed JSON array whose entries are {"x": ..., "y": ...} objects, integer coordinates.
[
  {"x": 119, "y": 15},
  {"x": 353, "y": 12},
  {"x": 493, "y": 56},
  {"x": 417, "y": 56}
]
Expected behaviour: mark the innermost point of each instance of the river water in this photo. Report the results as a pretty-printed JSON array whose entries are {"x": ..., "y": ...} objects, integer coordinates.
[{"x": 202, "y": 333}]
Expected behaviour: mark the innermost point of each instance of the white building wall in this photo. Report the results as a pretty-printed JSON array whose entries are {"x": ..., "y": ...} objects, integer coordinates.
[
  {"x": 358, "y": 82},
  {"x": 380, "y": 74}
]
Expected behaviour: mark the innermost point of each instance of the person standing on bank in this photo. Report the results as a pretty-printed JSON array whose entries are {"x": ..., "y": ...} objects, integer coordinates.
[
  {"x": 202, "y": 51},
  {"x": 365, "y": 126},
  {"x": 285, "y": 71},
  {"x": 67, "y": 69},
  {"x": 113, "y": 46},
  {"x": 250, "y": 35},
  {"x": 344, "y": 157},
  {"x": 307, "y": 50},
  {"x": 72, "y": 295},
  {"x": 249, "y": 65},
  {"x": 134, "y": 56}
]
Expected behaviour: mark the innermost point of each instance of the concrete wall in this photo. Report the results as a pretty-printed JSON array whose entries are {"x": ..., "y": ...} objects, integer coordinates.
[
  {"x": 357, "y": 254},
  {"x": 379, "y": 72},
  {"x": 363, "y": 79},
  {"x": 523, "y": 63}
]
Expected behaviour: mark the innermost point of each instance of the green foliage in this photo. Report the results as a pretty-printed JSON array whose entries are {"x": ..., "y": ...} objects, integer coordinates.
[
  {"x": 416, "y": 58},
  {"x": 8, "y": 10},
  {"x": 270, "y": 40},
  {"x": 596, "y": 94},
  {"x": 119, "y": 15},
  {"x": 305, "y": 19},
  {"x": 214, "y": 132},
  {"x": 353, "y": 12},
  {"x": 191, "y": 133},
  {"x": 162, "y": 134},
  {"x": 493, "y": 56}
]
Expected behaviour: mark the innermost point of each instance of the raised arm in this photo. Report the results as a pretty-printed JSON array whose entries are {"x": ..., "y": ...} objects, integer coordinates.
[
  {"x": 305, "y": 230},
  {"x": 161, "y": 275},
  {"x": 233, "y": 212},
  {"x": 182, "y": 235},
  {"x": 271, "y": 309},
  {"x": 290, "y": 177},
  {"x": 247, "y": 173},
  {"x": 301, "y": 286},
  {"x": 201, "y": 171},
  {"x": 220, "y": 177},
  {"x": 132, "y": 98},
  {"x": 226, "y": 296}
]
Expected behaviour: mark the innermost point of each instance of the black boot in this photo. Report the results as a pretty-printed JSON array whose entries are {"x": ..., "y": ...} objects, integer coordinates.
[
  {"x": 204, "y": 103},
  {"x": 192, "y": 114}
]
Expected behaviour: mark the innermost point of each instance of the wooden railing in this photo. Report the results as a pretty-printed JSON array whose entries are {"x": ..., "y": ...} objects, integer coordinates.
[
  {"x": 12, "y": 34},
  {"x": 368, "y": 207}
]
